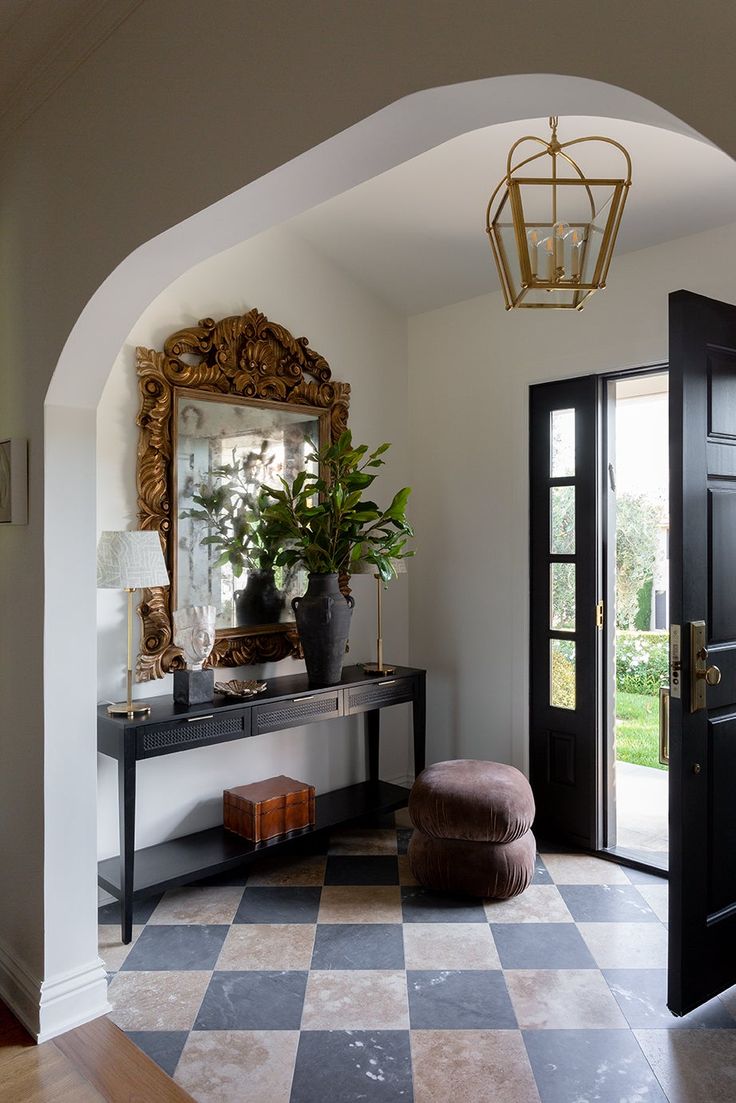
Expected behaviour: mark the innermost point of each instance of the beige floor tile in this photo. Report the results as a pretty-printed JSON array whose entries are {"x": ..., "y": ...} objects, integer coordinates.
[
  {"x": 198, "y": 905},
  {"x": 111, "y": 949},
  {"x": 406, "y": 877},
  {"x": 356, "y": 999},
  {"x": 563, "y": 999},
  {"x": 364, "y": 840},
  {"x": 402, "y": 818},
  {"x": 268, "y": 946},
  {"x": 582, "y": 869},
  {"x": 157, "y": 1001},
  {"x": 626, "y": 945},
  {"x": 308, "y": 871},
  {"x": 475, "y": 1066},
  {"x": 227, "y": 1066},
  {"x": 449, "y": 946},
  {"x": 693, "y": 1066},
  {"x": 656, "y": 897},
  {"x": 729, "y": 998},
  {"x": 360, "y": 904},
  {"x": 539, "y": 904}
]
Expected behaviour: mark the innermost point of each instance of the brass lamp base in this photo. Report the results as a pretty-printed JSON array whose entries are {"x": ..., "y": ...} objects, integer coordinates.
[
  {"x": 129, "y": 709},
  {"x": 374, "y": 668}
]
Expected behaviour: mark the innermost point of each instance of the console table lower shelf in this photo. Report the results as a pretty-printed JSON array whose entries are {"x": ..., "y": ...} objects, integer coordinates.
[{"x": 203, "y": 853}]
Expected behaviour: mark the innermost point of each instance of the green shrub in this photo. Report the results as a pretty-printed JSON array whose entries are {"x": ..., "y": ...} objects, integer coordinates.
[
  {"x": 563, "y": 680},
  {"x": 642, "y": 661}
]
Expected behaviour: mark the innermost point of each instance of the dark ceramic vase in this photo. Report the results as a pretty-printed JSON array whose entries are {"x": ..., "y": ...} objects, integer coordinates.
[
  {"x": 323, "y": 618},
  {"x": 260, "y": 602}
]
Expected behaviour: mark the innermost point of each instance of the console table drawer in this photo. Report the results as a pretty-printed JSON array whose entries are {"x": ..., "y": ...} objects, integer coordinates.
[
  {"x": 198, "y": 731},
  {"x": 376, "y": 695},
  {"x": 301, "y": 710}
]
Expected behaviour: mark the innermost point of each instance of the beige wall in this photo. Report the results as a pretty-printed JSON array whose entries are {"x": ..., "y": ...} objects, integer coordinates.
[{"x": 182, "y": 104}]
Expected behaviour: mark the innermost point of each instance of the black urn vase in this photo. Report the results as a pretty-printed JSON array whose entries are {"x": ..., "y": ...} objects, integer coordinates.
[
  {"x": 260, "y": 602},
  {"x": 323, "y": 618}
]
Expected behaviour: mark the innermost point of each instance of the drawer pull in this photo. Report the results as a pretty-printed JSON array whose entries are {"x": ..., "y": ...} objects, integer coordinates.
[
  {"x": 308, "y": 697},
  {"x": 390, "y": 682},
  {"x": 196, "y": 719}
]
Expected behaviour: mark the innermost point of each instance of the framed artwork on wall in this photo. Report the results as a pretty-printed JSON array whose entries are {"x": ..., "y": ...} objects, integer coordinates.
[{"x": 13, "y": 481}]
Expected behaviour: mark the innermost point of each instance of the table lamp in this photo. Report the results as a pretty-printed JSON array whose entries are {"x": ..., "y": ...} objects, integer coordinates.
[
  {"x": 363, "y": 567},
  {"x": 130, "y": 561}
]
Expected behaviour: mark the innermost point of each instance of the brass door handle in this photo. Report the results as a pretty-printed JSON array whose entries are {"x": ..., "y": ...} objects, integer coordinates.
[
  {"x": 701, "y": 675},
  {"x": 664, "y": 725}
]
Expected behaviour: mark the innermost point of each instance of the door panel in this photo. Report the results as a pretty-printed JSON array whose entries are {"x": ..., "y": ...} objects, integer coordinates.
[
  {"x": 702, "y": 932},
  {"x": 564, "y": 591}
]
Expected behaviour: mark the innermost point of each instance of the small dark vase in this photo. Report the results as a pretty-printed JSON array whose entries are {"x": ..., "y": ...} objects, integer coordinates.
[
  {"x": 323, "y": 618},
  {"x": 260, "y": 602}
]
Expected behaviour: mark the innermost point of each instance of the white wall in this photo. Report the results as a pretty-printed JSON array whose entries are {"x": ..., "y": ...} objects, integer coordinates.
[
  {"x": 365, "y": 344},
  {"x": 470, "y": 368}
]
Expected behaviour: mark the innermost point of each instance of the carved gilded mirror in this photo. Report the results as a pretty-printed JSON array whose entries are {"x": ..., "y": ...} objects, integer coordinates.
[{"x": 225, "y": 407}]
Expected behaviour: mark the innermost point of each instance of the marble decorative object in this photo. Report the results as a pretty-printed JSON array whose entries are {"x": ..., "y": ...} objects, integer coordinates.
[{"x": 194, "y": 633}]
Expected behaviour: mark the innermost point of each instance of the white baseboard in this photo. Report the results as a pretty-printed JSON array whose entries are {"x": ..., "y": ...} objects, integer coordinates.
[{"x": 51, "y": 1007}]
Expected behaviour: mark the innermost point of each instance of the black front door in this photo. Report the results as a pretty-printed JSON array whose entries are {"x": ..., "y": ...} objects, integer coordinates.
[
  {"x": 565, "y": 622},
  {"x": 702, "y": 934}
]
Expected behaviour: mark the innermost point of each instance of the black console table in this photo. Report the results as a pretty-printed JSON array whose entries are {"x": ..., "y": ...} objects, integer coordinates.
[{"x": 288, "y": 702}]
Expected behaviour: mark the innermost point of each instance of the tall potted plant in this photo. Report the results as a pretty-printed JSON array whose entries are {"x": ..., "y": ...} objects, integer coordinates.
[
  {"x": 233, "y": 511},
  {"x": 324, "y": 524}
]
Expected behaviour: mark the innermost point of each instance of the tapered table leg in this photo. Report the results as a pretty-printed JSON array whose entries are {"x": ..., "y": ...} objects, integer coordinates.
[
  {"x": 419, "y": 716},
  {"x": 373, "y": 733},
  {"x": 126, "y": 810}
]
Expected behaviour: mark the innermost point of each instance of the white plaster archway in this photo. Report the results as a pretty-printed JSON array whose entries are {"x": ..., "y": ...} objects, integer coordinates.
[{"x": 74, "y": 988}]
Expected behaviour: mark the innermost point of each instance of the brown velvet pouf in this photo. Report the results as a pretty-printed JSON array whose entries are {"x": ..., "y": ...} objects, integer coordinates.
[{"x": 472, "y": 834}]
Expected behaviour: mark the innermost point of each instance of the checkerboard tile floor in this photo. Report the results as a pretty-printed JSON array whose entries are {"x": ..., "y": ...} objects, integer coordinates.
[{"x": 333, "y": 976}]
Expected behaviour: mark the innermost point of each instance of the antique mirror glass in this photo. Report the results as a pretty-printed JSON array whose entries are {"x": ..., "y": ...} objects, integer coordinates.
[
  {"x": 226, "y": 406},
  {"x": 234, "y": 446}
]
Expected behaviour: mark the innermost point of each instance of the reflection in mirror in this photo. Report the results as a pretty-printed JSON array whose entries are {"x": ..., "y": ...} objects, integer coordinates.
[{"x": 225, "y": 449}]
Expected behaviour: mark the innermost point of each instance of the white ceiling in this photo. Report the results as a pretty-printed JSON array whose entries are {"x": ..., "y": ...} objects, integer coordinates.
[{"x": 415, "y": 236}]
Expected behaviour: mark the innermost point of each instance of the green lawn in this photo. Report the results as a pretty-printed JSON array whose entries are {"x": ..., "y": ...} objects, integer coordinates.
[{"x": 637, "y": 729}]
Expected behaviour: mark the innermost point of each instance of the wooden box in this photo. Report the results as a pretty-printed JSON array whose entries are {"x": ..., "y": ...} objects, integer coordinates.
[{"x": 269, "y": 808}]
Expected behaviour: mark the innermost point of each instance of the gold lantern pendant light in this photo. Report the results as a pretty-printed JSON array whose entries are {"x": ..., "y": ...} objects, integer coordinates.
[{"x": 553, "y": 236}]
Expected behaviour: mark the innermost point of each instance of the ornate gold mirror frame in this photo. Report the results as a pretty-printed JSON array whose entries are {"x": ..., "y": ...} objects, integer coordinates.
[{"x": 248, "y": 357}]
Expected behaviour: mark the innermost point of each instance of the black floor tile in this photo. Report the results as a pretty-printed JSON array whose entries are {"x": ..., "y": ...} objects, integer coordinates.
[
  {"x": 606, "y": 904},
  {"x": 541, "y": 873},
  {"x": 143, "y": 909},
  {"x": 541, "y": 946},
  {"x": 459, "y": 1000},
  {"x": 358, "y": 946},
  {"x": 351, "y": 1066},
  {"x": 254, "y": 1000},
  {"x": 598, "y": 1066},
  {"x": 177, "y": 947},
  {"x": 642, "y": 996},
  {"x": 641, "y": 876},
  {"x": 362, "y": 870},
  {"x": 162, "y": 1046},
  {"x": 279, "y": 905},
  {"x": 420, "y": 905}
]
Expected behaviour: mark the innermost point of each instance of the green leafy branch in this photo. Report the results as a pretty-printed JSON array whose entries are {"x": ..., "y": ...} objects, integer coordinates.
[{"x": 323, "y": 522}]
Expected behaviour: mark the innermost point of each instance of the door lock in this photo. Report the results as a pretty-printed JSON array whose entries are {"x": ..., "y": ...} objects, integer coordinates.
[{"x": 701, "y": 674}]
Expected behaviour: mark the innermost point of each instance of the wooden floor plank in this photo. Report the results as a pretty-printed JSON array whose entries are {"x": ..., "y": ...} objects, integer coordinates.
[
  {"x": 120, "y": 1071},
  {"x": 14, "y": 1038},
  {"x": 42, "y": 1074}
]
